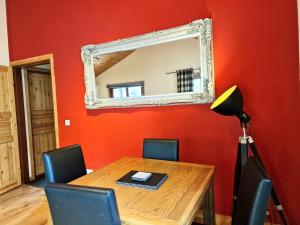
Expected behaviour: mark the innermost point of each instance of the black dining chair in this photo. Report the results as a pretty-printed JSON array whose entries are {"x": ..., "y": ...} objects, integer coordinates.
[
  {"x": 82, "y": 205},
  {"x": 164, "y": 149},
  {"x": 64, "y": 164},
  {"x": 253, "y": 195}
]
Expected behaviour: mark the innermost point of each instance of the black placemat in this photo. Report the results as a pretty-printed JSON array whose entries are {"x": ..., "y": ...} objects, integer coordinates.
[{"x": 153, "y": 183}]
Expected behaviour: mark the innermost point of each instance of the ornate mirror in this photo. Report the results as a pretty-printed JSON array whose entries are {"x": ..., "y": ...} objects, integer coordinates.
[{"x": 167, "y": 67}]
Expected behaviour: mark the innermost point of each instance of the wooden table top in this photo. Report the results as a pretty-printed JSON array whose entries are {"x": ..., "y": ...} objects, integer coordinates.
[{"x": 175, "y": 202}]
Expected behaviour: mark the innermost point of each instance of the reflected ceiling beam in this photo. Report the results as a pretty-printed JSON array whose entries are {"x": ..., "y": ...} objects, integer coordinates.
[{"x": 104, "y": 62}]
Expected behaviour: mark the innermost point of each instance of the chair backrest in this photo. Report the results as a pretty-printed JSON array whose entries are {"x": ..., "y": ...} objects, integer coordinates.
[
  {"x": 64, "y": 165},
  {"x": 81, "y": 205},
  {"x": 253, "y": 195},
  {"x": 164, "y": 149}
]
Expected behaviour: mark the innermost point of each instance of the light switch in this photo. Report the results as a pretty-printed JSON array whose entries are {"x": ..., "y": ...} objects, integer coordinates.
[{"x": 67, "y": 123}]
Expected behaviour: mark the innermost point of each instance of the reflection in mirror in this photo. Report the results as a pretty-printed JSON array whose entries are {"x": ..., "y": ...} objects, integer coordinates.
[{"x": 168, "y": 68}]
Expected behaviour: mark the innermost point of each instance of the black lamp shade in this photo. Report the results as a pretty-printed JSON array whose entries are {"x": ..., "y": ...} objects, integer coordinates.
[{"x": 230, "y": 103}]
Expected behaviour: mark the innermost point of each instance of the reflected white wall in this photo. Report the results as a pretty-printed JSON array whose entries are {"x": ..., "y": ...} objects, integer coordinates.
[{"x": 150, "y": 64}]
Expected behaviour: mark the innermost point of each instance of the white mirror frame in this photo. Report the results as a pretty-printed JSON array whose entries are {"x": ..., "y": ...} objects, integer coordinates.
[{"x": 198, "y": 28}]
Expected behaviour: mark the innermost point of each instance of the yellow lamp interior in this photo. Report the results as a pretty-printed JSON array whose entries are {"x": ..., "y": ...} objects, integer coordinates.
[{"x": 223, "y": 97}]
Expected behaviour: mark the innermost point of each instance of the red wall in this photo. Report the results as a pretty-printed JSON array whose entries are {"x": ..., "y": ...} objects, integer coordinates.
[{"x": 255, "y": 45}]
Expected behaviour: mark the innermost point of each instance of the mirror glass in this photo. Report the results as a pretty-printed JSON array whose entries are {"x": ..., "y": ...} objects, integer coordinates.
[{"x": 166, "y": 67}]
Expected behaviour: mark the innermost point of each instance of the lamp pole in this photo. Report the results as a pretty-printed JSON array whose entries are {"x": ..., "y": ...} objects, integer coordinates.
[{"x": 241, "y": 158}]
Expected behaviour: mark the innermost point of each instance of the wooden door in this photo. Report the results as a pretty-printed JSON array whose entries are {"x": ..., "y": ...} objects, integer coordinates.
[
  {"x": 10, "y": 176},
  {"x": 42, "y": 116}
]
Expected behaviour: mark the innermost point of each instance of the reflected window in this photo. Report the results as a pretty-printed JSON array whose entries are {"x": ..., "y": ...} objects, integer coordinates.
[
  {"x": 119, "y": 92},
  {"x": 124, "y": 90}
]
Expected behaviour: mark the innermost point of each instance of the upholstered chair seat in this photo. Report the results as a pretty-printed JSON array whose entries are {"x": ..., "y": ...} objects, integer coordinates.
[
  {"x": 64, "y": 165},
  {"x": 253, "y": 195},
  {"x": 164, "y": 149},
  {"x": 81, "y": 205}
]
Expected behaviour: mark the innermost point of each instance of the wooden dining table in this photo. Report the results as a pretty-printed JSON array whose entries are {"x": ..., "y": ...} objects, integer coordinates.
[{"x": 178, "y": 200}]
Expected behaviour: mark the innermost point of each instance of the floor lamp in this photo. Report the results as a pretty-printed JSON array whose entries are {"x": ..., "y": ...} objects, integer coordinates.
[{"x": 230, "y": 103}]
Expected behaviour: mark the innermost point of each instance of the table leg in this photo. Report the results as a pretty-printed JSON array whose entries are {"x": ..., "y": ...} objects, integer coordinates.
[{"x": 209, "y": 207}]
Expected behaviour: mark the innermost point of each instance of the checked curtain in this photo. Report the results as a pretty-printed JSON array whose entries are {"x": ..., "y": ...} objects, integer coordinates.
[{"x": 184, "y": 80}]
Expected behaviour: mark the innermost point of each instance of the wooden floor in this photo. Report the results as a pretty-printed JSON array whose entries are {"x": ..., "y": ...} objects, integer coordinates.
[{"x": 21, "y": 204}]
